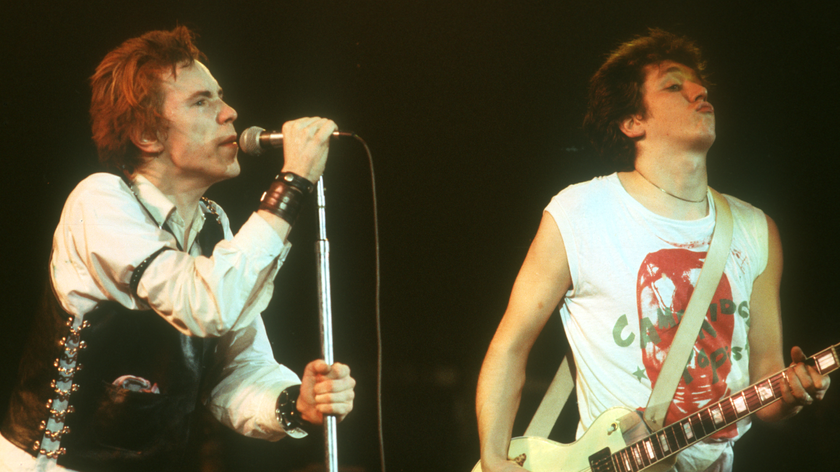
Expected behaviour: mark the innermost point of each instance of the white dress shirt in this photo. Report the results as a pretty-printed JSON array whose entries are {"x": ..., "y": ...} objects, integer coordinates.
[{"x": 105, "y": 233}]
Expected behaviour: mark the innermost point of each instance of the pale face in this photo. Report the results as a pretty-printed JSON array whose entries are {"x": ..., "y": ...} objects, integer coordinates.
[
  {"x": 679, "y": 116},
  {"x": 200, "y": 144}
]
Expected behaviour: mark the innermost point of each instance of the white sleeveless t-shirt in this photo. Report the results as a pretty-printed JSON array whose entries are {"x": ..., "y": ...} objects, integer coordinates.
[{"x": 632, "y": 275}]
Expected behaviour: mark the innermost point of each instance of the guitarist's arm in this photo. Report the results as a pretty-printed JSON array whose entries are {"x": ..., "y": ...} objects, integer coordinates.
[
  {"x": 765, "y": 338},
  {"x": 542, "y": 282}
]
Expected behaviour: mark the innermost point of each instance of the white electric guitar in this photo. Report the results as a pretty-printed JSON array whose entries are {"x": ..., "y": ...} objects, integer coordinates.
[{"x": 603, "y": 448}]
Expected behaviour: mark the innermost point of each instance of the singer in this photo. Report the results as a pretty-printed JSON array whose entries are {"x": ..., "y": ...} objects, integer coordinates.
[{"x": 153, "y": 305}]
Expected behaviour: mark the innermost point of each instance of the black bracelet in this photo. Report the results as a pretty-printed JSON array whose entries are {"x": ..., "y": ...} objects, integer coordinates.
[
  {"x": 286, "y": 410},
  {"x": 282, "y": 200},
  {"x": 296, "y": 181}
]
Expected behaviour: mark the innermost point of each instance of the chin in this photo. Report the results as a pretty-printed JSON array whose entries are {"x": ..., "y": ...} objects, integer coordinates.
[
  {"x": 233, "y": 170},
  {"x": 710, "y": 138}
]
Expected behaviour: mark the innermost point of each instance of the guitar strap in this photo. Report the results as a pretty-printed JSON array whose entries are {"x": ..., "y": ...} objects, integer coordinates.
[{"x": 681, "y": 347}]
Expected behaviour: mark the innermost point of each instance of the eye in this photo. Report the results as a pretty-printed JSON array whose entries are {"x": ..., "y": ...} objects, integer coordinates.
[
  {"x": 201, "y": 103},
  {"x": 675, "y": 87}
]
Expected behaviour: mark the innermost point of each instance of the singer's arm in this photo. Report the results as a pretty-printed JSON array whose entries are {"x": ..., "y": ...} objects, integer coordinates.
[
  {"x": 246, "y": 380},
  {"x": 306, "y": 144}
]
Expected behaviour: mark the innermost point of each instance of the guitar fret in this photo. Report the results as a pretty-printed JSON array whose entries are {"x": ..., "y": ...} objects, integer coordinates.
[
  {"x": 727, "y": 407},
  {"x": 752, "y": 397},
  {"x": 671, "y": 436},
  {"x": 679, "y": 435},
  {"x": 776, "y": 382},
  {"x": 664, "y": 447},
  {"x": 655, "y": 447},
  {"x": 739, "y": 403},
  {"x": 825, "y": 361},
  {"x": 625, "y": 458},
  {"x": 616, "y": 461},
  {"x": 650, "y": 449},
  {"x": 696, "y": 426},
  {"x": 706, "y": 421},
  {"x": 718, "y": 416},
  {"x": 683, "y": 433},
  {"x": 628, "y": 460},
  {"x": 687, "y": 431},
  {"x": 637, "y": 457},
  {"x": 765, "y": 392}
]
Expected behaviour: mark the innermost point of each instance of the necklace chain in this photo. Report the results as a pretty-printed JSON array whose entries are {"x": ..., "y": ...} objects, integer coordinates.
[{"x": 671, "y": 194}]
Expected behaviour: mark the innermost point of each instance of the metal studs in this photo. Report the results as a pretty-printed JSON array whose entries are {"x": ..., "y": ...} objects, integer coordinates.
[
  {"x": 56, "y": 435},
  {"x": 53, "y": 454},
  {"x": 60, "y": 415}
]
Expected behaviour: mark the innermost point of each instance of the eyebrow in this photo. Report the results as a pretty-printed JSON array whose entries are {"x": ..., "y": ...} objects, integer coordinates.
[{"x": 683, "y": 72}]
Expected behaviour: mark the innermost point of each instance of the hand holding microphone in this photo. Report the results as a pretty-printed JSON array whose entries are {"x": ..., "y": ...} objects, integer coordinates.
[{"x": 305, "y": 143}]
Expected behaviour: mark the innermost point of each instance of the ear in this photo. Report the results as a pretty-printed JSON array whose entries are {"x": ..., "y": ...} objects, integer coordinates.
[
  {"x": 633, "y": 126},
  {"x": 147, "y": 142}
]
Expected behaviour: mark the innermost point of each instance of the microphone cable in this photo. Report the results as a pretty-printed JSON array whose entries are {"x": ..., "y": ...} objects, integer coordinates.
[
  {"x": 377, "y": 312},
  {"x": 377, "y": 305}
]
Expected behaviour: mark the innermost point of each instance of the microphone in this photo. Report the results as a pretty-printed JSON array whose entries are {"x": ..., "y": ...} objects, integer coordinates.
[{"x": 255, "y": 140}]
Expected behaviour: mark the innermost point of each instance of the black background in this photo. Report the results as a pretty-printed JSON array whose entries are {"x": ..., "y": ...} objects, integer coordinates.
[{"x": 472, "y": 110}]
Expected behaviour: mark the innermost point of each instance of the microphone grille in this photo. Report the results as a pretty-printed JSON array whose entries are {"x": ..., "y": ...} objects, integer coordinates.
[{"x": 249, "y": 141}]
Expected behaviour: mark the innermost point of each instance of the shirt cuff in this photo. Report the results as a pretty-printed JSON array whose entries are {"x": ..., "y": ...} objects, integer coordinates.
[{"x": 272, "y": 418}]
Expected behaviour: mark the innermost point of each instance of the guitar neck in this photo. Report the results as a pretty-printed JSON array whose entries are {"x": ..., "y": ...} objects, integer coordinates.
[{"x": 675, "y": 437}]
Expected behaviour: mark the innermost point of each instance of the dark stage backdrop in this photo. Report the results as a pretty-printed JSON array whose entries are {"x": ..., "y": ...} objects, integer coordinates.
[{"x": 472, "y": 110}]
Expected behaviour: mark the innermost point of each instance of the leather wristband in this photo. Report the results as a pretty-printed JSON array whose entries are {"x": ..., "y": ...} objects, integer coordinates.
[
  {"x": 283, "y": 200},
  {"x": 296, "y": 181},
  {"x": 286, "y": 410}
]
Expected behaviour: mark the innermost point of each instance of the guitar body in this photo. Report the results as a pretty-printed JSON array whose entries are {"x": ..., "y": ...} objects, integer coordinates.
[
  {"x": 619, "y": 440},
  {"x": 615, "y": 429}
]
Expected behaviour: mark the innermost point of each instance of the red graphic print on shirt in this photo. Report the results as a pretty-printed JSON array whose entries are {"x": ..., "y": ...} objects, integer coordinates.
[{"x": 666, "y": 281}]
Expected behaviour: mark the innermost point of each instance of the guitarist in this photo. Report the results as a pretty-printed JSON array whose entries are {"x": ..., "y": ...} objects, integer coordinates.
[{"x": 620, "y": 254}]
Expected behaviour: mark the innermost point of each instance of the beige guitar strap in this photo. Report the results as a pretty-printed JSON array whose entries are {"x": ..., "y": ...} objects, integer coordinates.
[
  {"x": 552, "y": 403},
  {"x": 666, "y": 385}
]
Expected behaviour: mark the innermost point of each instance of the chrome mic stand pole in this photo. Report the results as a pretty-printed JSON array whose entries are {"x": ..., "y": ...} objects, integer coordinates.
[{"x": 325, "y": 310}]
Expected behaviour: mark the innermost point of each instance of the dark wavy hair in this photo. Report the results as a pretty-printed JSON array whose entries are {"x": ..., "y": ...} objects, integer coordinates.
[
  {"x": 127, "y": 96},
  {"x": 616, "y": 90}
]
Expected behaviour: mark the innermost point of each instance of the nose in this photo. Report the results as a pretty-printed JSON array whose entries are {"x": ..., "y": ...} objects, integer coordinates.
[
  {"x": 697, "y": 92},
  {"x": 227, "y": 114}
]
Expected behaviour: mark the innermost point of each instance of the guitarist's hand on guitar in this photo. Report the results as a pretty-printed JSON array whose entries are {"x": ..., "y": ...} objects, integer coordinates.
[
  {"x": 804, "y": 382},
  {"x": 325, "y": 390},
  {"x": 502, "y": 466}
]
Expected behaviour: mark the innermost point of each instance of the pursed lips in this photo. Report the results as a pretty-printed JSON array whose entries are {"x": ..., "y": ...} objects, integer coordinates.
[{"x": 705, "y": 107}]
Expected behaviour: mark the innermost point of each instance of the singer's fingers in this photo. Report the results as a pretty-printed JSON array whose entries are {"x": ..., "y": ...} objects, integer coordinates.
[
  {"x": 310, "y": 127},
  {"x": 338, "y": 371},
  {"x": 325, "y": 390},
  {"x": 306, "y": 146}
]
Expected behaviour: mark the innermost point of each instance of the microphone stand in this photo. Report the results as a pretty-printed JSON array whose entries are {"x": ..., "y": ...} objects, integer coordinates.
[{"x": 323, "y": 259}]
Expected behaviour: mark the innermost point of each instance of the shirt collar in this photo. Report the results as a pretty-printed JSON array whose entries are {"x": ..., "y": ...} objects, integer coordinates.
[{"x": 161, "y": 208}]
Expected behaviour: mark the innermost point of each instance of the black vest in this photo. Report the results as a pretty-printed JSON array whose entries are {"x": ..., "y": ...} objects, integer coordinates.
[{"x": 107, "y": 427}]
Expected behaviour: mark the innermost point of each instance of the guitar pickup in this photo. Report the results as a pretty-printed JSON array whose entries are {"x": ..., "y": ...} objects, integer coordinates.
[{"x": 601, "y": 461}]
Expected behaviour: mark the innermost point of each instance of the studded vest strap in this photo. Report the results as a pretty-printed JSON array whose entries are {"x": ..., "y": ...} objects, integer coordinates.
[
  {"x": 30, "y": 405},
  {"x": 107, "y": 427}
]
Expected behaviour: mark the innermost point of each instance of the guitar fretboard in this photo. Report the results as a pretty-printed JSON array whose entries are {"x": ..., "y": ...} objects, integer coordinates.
[{"x": 687, "y": 431}]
